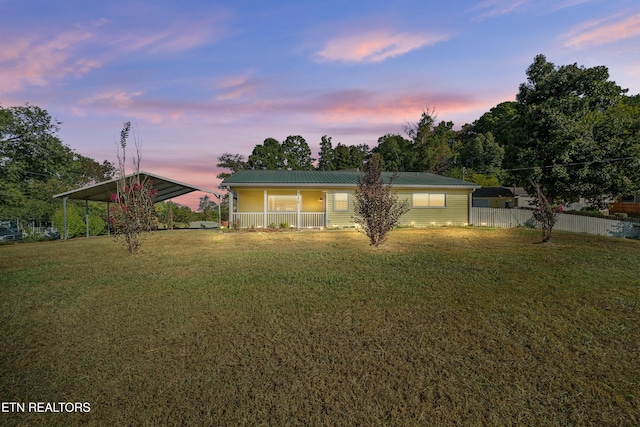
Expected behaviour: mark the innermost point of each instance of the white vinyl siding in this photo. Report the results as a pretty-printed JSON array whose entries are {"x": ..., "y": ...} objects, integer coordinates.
[{"x": 455, "y": 213}]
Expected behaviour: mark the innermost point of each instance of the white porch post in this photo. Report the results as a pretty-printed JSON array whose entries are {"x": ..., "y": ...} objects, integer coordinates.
[
  {"x": 231, "y": 219},
  {"x": 264, "y": 210},
  {"x": 325, "y": 195},
  {"x": 298, "y": 209}
]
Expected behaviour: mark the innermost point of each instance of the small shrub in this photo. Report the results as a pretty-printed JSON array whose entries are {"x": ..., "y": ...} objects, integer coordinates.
[
  {"x": 377, "y": 208},
  {"x": 97, "y": 226},
  {"x": 75, "y": 222},
  {"x": 620, "y": 215},
  {"x": 284, "y": 225},
  {"x": 33, "y": 237}
]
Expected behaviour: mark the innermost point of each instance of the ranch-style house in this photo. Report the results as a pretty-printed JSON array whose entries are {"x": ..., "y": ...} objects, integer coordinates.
[{"x": 325, "y": 199}]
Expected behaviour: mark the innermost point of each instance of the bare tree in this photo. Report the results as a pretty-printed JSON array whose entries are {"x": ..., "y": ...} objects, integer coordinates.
[
  {"x": 545, "y": 214},
  {"x": 132, "y": 213}
]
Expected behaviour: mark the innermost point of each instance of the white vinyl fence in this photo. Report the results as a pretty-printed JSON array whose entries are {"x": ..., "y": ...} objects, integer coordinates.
[{"x": 509, "y": 218}]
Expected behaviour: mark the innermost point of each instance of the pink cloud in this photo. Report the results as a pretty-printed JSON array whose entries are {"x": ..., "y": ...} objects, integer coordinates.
[
  {"x": 360, "y": 105},
  {"x": 602, "y": 31},
  {"x": 375, "y": 46},
  {"x": 492, "y": 8},
  {"x": 344, "y": 107},
  {"x": 40, "y": 61},
  {"x": 116, "y": 98},
  {"x": 131, "y": 104},
  {"x": 237, "y": 87},
  {"x": 558, "y": 5},
  {"x": 44, "y": 58},
  {"x": 178, "y": 36}
]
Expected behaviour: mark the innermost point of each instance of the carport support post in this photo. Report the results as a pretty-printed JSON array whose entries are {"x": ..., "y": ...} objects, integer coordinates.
[
  {"x": 86, "y": 215},
  {"x": 65, "y": 234},
  {"x": 219, "y": 211},
  {"x": 231, "y": 219}
]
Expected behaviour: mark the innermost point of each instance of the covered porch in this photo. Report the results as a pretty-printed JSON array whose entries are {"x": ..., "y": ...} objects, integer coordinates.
[{"x": 279, "y": 208}]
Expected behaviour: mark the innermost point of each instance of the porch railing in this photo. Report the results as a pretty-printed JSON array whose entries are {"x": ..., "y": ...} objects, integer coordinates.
[{"x": 276, "y": 219}]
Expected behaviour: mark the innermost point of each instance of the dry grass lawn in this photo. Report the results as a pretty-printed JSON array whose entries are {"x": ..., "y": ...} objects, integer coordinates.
[{"x": 450, "y": 326}]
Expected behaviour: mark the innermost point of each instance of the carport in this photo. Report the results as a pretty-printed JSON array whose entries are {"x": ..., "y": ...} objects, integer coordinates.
[{"x": 102, "y": 191}]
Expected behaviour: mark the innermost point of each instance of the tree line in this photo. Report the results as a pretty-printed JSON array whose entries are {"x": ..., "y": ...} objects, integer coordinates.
[
  {"x": 35, "y": 165},
  {"x": 571, "y": 131}
]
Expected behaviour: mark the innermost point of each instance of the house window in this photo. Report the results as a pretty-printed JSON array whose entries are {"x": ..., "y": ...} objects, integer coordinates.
[
  {"x": 340, "y": 201},
  {"x": 282, "y": 203},
  {"x": 429, "y": 200}
]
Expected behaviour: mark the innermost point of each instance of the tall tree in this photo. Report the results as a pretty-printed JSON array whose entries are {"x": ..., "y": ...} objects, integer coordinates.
[
  {"x": 293, "y": 154},
  {"x": 29, "y": 146},
  {"x": 233, "y": 162},
  {"x": 269, "y": 155},
  {"x": 572, "y": 143},
  {"x": 501, "y": 121},
  {"x": 207, "y": 206},
  {"x": 326, "y": 160},
  {"x": 359, "y": 154},
  {"x": 432, "y": 144},
  {"x": 297, "y": 154},
  {"x": 35, "y": 164},
  {"x": 350, "y": 156},
  {"x": 342, "y": 157},
  {"x": 85, "y": 171},
  {"x": 483, "y": 154},
  {"x": 395, "y": 152}
]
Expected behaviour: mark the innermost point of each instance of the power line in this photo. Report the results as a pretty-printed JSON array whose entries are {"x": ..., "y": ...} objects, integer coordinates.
[{"x": 572, "y": 164}]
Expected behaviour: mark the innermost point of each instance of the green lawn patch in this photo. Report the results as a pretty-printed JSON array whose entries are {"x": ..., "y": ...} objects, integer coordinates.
[{"x": 443, "y": 326}]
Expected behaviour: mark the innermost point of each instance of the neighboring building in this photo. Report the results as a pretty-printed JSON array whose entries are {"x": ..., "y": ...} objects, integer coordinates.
[
  {"x": 517, "y": 197},
  {"x": 493, "y": 197},
  {"x": 628, "y": 205},
  {"x": 318, "y": 199},
  {"x": 521, "y": 198}
]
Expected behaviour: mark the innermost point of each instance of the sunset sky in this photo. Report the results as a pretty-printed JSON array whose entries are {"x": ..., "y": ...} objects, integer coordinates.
[{"x": 199, "y": 78}]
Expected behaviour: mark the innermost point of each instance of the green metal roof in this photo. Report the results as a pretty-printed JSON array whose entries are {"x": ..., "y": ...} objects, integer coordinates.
[{"x": 245, "y": 178}]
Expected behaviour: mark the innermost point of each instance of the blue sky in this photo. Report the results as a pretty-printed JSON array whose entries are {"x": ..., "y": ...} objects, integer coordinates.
[{"x": 200, "y": 78}]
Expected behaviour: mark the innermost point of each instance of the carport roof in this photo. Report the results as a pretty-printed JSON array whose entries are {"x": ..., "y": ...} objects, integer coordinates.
[{"x": 102, "y": 191}]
